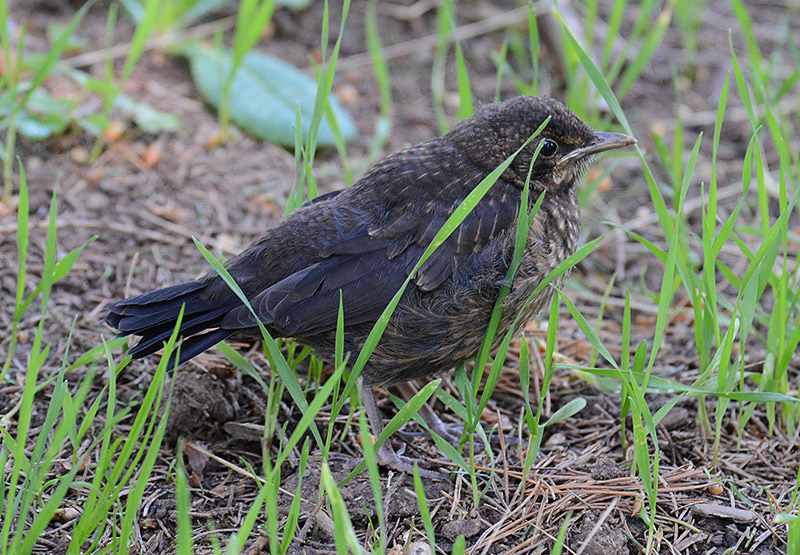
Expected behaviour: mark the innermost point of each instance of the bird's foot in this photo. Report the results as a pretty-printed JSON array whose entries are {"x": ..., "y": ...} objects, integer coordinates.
[
  {"x": 451, "y": 433},
  {"x": 388, "y": 457}
]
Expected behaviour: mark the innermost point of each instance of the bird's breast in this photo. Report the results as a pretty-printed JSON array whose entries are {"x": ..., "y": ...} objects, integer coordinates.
[{"x": 552, "y": 238}]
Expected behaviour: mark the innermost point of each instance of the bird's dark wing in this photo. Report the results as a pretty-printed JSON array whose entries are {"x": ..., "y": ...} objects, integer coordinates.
[
  {"x": 417, "y": 223},
  {"x": 367, "y": 270},
  {"x": 307, "y": 302},
  {"x": 485, "y": 224},
  {"x": 413, "y": 196},
  {"x": 420, "y": 188}
]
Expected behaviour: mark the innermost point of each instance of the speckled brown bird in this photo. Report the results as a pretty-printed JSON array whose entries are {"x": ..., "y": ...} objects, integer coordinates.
[{"x": 363, "y": 241}]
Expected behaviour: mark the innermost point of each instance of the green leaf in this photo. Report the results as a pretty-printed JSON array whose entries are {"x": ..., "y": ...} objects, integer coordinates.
[
  {"x": 147, "y": 118},
  {"x": 294, "y": 4},
  {"x": 39, "y": 128},
  {"x": 43, "y": 116},
  {"x": 94, "y": 124},
  {"x": 567, "y": 411},
  {"x": 264, "y": 94},
  {"x": 73, "y": 42}
]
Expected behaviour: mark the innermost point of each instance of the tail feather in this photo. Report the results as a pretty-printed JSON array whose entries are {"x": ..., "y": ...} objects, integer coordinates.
[
  {"x": 153, "y": 316},
  {"x": 152, "y": 338},
  {"x": 157, "y": 307},
  {"x": 146, "y": 318},
  {"x": 196, "y": 344},
  {"x": 163, "y": 294}
]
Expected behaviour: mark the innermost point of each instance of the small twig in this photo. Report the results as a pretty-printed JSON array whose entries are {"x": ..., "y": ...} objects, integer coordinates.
[
  {"x": 596, "y": 528},
  {"x": 238, "y": 469},
  {"x": 128, "y": 280},
  {"x": 157, "y": 42},
  {"x": 462, "y": 33}
]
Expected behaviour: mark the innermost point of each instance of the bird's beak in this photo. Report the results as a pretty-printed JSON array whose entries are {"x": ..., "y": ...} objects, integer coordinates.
[{"x": 603, "y": 141}]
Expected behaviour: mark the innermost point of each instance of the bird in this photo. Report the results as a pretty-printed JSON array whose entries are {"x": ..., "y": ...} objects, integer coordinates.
[{"x": 359, "y": 244}]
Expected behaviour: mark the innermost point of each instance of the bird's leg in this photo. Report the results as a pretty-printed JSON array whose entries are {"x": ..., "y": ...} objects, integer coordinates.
[
  {"x": 450, "y": 433},
  {"x": 386, "y": 455}
]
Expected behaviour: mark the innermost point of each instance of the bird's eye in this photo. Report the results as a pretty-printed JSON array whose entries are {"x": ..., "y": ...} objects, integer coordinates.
[{"x": 549, "y": 148}]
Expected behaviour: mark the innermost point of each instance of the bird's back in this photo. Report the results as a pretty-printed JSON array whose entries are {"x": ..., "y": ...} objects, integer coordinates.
[{"x": 360, "y": 244}]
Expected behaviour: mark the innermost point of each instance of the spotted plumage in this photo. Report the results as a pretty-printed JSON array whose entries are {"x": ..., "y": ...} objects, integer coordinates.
[{"x": 363, "y": 241}]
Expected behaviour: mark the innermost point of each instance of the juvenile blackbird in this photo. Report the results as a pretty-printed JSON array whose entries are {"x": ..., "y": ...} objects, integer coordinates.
[{"x": 363, "y": 241}]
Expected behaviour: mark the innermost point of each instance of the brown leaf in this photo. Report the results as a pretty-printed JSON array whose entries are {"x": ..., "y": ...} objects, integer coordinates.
[
  {"x": 169, "y": 212},
  {"x": 198, "y": 457},
  {"x": 114, "y": 131},
  {"x": 492, "y": 416},
  {"x": 152, "y": 155},
  {"x": 67, "y": 514}
]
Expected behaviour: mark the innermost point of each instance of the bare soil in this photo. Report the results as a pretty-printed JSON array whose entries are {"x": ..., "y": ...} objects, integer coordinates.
[{"x": 145, "y": 214}]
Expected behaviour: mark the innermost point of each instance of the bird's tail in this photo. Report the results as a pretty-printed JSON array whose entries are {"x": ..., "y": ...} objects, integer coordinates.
[{"x": 153, "y": 316}]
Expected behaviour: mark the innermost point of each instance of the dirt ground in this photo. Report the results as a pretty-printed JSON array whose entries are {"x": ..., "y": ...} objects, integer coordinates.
[{"x": 144, "y": 217}]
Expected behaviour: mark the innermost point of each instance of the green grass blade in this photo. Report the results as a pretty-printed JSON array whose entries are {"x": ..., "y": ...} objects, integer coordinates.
[
  {"x": 282, "y": 366},
  {"x": 424, "y": 512},
  {"x": 374, "y": 481},
  {"x": 183, "y": 506},
  {"x": 345, "y": 535}
]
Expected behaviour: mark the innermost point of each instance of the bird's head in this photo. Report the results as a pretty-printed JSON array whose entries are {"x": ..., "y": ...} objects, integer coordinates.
[{"x": 568, "y": 145}]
